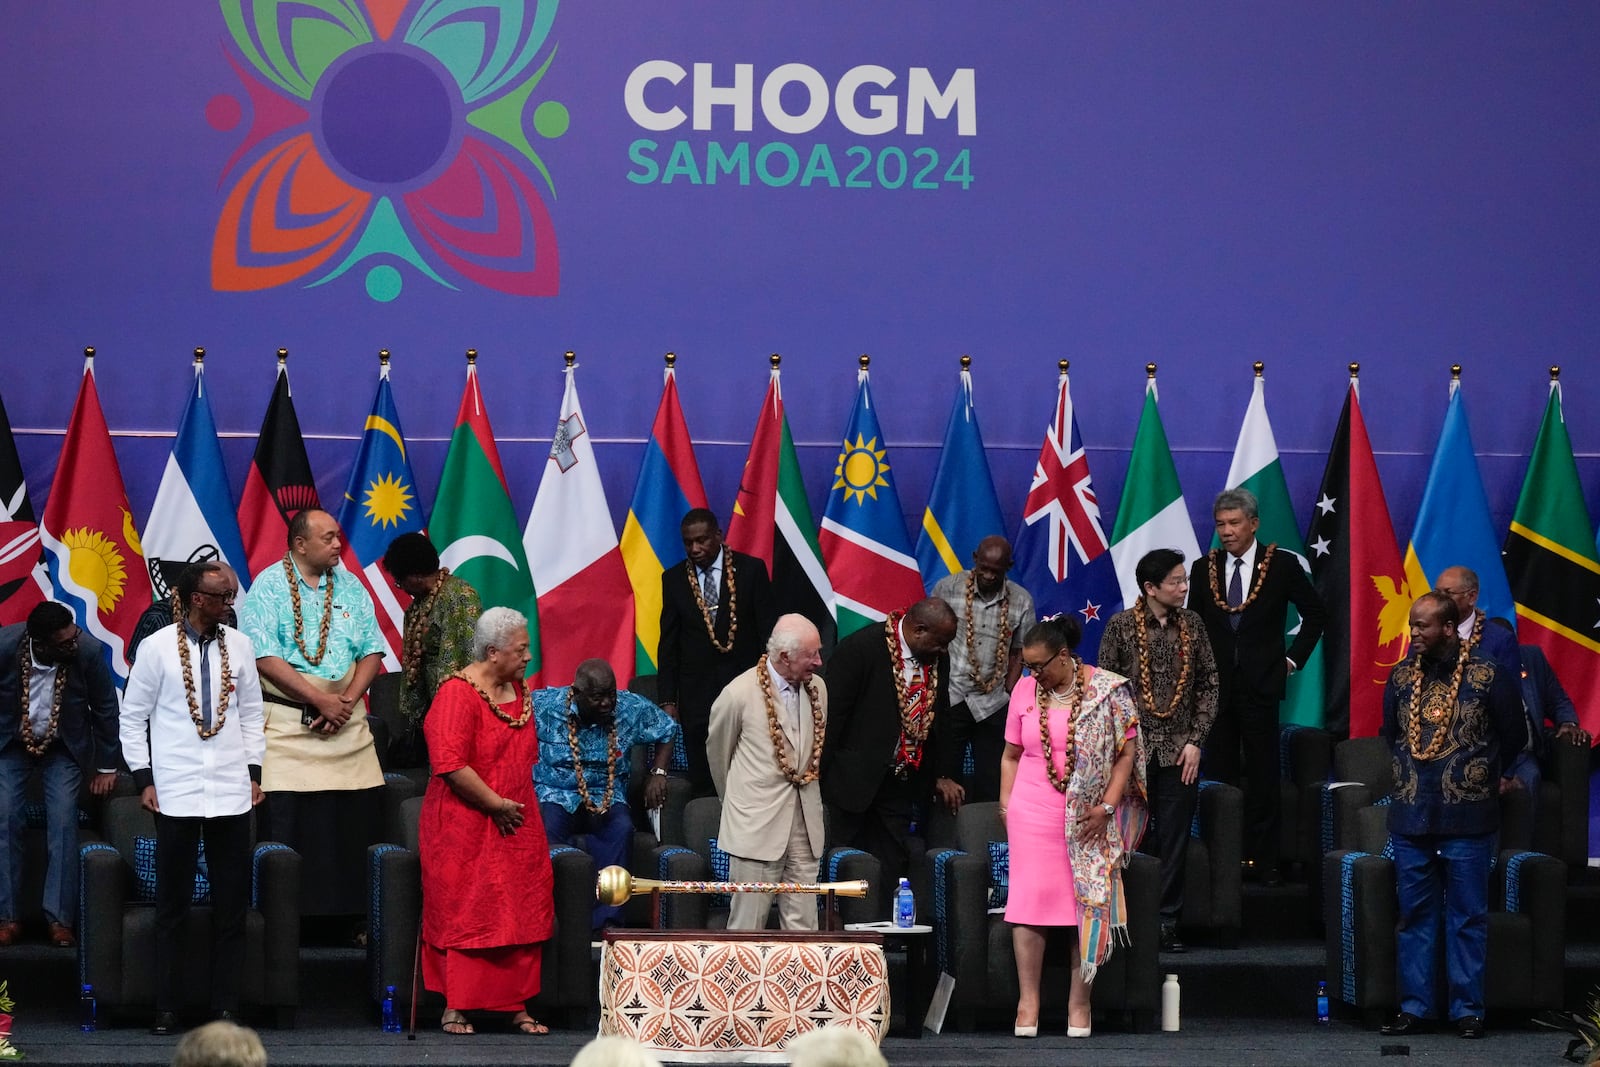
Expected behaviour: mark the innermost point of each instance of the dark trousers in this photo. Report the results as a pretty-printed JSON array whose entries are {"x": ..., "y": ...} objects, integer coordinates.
[
  {"x": 331, "y": 830},
  {"x": 696, "y": 725},
  {"x": 883, "y": 830},
  {"x": 988, "y": 740},
  {"x": 1243, "y": 746},
  {"x": 609, "y": 835},
  {"x": 228, "y": 868},
  {"x": 1442, "y": 881},
  {"x": 1172, "y": 807}
]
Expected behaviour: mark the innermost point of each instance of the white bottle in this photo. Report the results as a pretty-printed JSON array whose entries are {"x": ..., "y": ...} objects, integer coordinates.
[{"x": 1169, "y": 1004}]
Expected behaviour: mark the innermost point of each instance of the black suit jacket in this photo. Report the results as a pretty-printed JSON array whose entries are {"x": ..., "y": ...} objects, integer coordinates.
[
  {"x": 689, "y": 671},
  {"x": 88, "y": 724},
  {"x": 864, "y": 722},
  {"x": 1251, "y": 658}
]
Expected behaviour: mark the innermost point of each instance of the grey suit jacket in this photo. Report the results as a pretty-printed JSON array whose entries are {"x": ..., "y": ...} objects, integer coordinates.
[{"x": 756, "y": 798}]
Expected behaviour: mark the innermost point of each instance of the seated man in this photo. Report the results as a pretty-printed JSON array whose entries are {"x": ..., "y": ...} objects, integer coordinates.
[
  {"x": 1545, "y": 701},
  {"x": 581, "y": 779}
]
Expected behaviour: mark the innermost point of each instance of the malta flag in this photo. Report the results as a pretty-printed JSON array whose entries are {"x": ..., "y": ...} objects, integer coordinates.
[
  {"x": 1355, "y": 565},
  {"x": 1151, "y": 513},
  {"x": 380, "y": 504},
  {"x": 772, "y": 519},
  {"x": 1554, "y": 569},
  {"x": 24, "y": 579},
  {"x": 192, "y": 519},
  {"x": 962, "y": 506},
  {"x": 279, "y": 484},
  {"x": 584, "y": 594},
  {"x": 96, "y": 562},
  {"x": 668, "y": 486},
  {"x": 863, "y": 536}
]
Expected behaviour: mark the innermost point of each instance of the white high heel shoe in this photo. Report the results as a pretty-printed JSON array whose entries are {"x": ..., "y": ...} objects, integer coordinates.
[
  {"x": 1025, "y": 1031},
  {"x": 1079, "y": 1031}
]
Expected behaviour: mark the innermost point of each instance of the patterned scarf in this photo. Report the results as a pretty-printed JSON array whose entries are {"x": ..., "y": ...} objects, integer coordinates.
[{"x": 1107, "y": 715}]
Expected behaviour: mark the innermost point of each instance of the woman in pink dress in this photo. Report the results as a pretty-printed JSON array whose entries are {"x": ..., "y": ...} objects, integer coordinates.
[{"x": 1072, "y": 797}]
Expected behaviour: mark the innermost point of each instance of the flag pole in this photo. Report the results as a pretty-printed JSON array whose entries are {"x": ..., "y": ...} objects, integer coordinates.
[{"x": 1258, "y": 367}]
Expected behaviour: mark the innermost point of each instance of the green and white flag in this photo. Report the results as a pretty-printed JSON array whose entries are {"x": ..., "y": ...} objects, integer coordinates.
[
  {"x": 1256, "y": 468},
  {"x": 1151, "y": 513}
]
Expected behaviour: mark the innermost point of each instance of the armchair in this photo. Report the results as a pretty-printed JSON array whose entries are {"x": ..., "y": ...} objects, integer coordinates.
[{"x": 1213, "y": 889}]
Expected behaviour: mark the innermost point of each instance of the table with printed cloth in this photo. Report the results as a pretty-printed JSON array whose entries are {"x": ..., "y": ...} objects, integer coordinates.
[{"x": 702, "y": 996}]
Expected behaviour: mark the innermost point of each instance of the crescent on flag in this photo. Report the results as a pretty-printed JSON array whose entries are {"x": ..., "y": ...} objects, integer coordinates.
[{"x": 473, "y": 546}]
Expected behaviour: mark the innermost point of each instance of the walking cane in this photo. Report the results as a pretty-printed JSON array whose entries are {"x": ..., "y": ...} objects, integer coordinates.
[{"x": 416, "y": 972}]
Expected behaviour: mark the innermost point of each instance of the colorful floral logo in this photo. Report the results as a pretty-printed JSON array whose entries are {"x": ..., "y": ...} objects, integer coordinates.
[{"x": 385, "y": 134}]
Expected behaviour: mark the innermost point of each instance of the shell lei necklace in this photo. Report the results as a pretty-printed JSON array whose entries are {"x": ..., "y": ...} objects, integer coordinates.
[
  {"x": 1220, "y": 596},
  {"x": 1440, "y": 713},
  {"x": 527, "y": 703},
  {"x": 985, "y": 683},
  {"x": 1072, "y": 700},
  {"x": 188, "y": 684},
  {"x": 915, "y": 727},
  {"x": 706, "y": 609},
  {"x": 1147, "y": 693},
  {"x": 774, "y": 731},
  {"x": 35, "y": 746},
  {"x": 417, "y": 629},
  {"x": 299, "y": 620},
  {"x": 613, "y": 754}
]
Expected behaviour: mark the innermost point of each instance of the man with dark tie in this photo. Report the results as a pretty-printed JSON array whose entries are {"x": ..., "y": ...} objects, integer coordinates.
[
  {"x": 716, "y": 610},
  {"x": 1243, "y": 592}
]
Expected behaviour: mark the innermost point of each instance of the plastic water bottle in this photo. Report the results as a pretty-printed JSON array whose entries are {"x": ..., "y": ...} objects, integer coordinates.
[
  {"x": 905, "y": 906},
  {"x": 86, "y": 1008},
  {"x": 1322, "y": 1003},
  {"x": 391, "y": 1018},
  {"x": 1169, "y": 1004}
]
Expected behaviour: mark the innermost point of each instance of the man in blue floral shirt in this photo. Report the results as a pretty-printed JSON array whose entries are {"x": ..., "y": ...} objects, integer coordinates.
[{"x": 581, "y": 779}]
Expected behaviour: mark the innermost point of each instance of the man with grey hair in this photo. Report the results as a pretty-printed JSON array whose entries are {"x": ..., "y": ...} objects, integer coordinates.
[
  {"x": 765, "y": 747},
  {"x": 834, "y": 1046},
  {"x": 1243, "y": 592}
]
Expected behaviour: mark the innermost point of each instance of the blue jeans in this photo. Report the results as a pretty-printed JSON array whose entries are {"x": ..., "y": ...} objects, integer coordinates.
[
  {"x": 1443, "y": 877},
  {"x": 61, "y": 778},
  {"x": 608, "y": 836}
]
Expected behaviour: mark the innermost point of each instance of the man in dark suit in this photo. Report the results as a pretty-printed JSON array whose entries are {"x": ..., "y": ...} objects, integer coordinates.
[
  {"x": 58, "y": 715},
  {"x": 1243, "y": 592},
  {"x": 716, "y": 611},
  {"x": 888, "y": 712}
]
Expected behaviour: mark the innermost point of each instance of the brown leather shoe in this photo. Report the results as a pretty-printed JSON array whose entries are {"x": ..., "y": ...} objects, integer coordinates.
[
  {"x": 61, "y": 935},
  {"x": 10, "y": 932}
]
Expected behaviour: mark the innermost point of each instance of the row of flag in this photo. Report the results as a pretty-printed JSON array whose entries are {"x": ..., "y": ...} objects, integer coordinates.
[{"x": 600, "y": 594}]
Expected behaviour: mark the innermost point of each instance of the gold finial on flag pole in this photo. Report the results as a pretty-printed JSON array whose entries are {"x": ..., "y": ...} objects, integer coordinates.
[
  {"x": 199, "y": 356},
  {"x": 1149, "y": 370},
  {"x": 1062, "y": 365},
  {"x": 1258, "y": 367},
  {"x": 283, "y": 357},
  {"x": 864, "y": 360},
  {"x": 383, "y": 357},
  {"x": 1455, "y": 372},
  {"x": 472, "y": 357},
  {"x": 571, "y": 357},
  {"x": 672, "y": 359},
  {"x": 966, "y": 362},
  {"x": 774, "y": 359},
  {"x": 1355, "y": 371}
]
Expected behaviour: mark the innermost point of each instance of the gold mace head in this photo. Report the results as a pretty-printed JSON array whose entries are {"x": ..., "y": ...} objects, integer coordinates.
[{"x": 613, "y": 886}]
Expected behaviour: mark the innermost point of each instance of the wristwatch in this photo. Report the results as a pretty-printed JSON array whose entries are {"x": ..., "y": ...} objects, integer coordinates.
[
  {"x": 1109, "y": 809},
  {"x": 658, "y": 771}
]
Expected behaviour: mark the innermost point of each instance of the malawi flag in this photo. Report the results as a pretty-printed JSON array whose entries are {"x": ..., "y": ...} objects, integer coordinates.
[
  {"x": 1151, "y": 513},
  {"x": 96, "y": 562},
  {"x": 1553, "y": 567},
  {"x": 576, "y": 559},
  {"x": 772, "y": 520},
  {"x": 962, "y": 506},
  {"x": 668, "y": 486},
  {"x": 863, "y": 535},
  {"x": 24, "y": 580},
  {"x": 474, "y": 525},
  {"x": 1355, "y": 564},
  {"x": 279, "y": 484}
]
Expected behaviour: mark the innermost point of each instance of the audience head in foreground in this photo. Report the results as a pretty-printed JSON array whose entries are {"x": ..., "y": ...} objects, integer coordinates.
[
  {"x": 614, "y": 1051},
  {"x": 220, "y": 1044},
  {"x": 835, "y": 1046}
]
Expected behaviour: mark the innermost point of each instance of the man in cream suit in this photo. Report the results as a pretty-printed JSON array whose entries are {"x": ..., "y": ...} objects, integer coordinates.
[{"x": 765, "y": 745}]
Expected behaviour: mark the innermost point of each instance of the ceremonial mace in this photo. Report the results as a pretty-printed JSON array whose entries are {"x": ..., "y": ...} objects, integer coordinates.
[{"x": 614, "y": 885}]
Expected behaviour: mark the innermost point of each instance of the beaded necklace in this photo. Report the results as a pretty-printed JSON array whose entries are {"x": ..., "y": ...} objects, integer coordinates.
[
  {"x": 226, "y": 684},
  {"x": 613, "y": 754},
  {"x": 1147, "y": 691},
  {"x": 915, "y": 727},
  {"x": 527, "y": 703},
  {"x": 299, "y": 620},
  {"x": 706, "y": 609},
  {"x": 985, "y": 683},
  {"x": 1439, "y": 712},
  {"x": 1072, "y": 700},
  {"x": 774, "y": 731},
  {"x": 417, "y": 629},
  {"x": 34, "y": 746},
  {"x": 1221, "y": 596}
]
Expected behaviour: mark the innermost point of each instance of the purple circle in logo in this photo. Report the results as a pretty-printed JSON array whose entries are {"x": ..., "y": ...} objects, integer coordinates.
[{"x": 387, "y": 118}]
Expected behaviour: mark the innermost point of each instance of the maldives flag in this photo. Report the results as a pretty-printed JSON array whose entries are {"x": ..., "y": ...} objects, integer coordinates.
[
  {"x": 279, "y": 484},
  {"x": 577, "y": 562},
  {"x": 1355, "y": 564},
  {"x": 24, "y": 580},
  {"x": 96, "y": 562}
]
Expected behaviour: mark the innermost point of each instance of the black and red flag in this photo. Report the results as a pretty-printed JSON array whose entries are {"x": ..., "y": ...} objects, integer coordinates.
[
  {"x": 24, "y": 581},
  {"x": 279, "y": 484}
]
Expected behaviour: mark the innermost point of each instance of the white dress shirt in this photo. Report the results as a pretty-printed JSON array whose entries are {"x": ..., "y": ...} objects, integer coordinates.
[{"x": 194, "y": 778}]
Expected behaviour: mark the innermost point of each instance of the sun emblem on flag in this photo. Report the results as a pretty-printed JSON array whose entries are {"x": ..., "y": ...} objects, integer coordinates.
[
  {"x": 96, "y": 565},
  {"x": 387, "y": 500},
  {"x": 861, "y": 469}
]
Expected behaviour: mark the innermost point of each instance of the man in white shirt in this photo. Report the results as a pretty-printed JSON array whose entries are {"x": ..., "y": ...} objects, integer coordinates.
[{"x": 192, "y": 734}]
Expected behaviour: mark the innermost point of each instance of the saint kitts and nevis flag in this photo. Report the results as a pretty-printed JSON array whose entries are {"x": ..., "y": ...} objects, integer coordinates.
[
  {"x": 95, "y": 559},
  {"x": 24, "y": 579},
  {"x": 1061, "y": 554},
  {"x": 652, "y": 540},
  {"x": 1553, "y": 565},
  {"x": 279, "y": 484},
  {"x": 474, "y": 525},
  {"x": 772, "y": 521},
  {"x": 863, "y": 535},
  {"x": 576, "y": 559},
  {"x": 1151, "y": 513},
  {"x": 962, "y": 506},
  {"x": 379, "y": 504},
  {"x": 1355, "y": 564}
]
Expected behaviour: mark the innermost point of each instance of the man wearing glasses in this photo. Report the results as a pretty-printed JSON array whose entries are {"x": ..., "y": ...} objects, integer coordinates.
[{"x": 58, "y": 714}]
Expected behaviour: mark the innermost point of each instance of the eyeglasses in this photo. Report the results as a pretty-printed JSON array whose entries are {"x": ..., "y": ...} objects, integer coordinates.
[
  {"x": 225, "y": 597},
  {"x": 1037, "y": 667},
  {"x": 70, "y": 641}
]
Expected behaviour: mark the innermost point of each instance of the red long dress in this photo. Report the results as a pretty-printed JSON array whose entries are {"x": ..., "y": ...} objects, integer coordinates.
[{"x": 486, "y": 898}]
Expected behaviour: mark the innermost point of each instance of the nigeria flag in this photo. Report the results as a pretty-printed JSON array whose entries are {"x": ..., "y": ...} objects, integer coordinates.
[{"x": 1151, "y": 513}]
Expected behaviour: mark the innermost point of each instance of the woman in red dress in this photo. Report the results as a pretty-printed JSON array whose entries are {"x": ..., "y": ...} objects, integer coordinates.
[{"x": 486, "y": 882}]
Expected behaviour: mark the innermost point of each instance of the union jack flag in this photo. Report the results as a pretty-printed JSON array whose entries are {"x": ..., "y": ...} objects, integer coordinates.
[{"x": 1062, "y": 556}]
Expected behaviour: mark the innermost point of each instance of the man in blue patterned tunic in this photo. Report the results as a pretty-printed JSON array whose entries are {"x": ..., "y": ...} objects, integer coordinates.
[
  {"x": 1453, "y": 717},
  {"x": 581, "y": 779}
]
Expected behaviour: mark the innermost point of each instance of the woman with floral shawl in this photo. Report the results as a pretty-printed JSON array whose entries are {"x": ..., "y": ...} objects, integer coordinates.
[{"x": 1072, "y": 795}]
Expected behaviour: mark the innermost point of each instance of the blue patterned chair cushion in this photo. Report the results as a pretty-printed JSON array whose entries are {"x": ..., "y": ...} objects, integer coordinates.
[
  {"x": 144, "y": 869},
  {"x": 719, "y": 873},
  {"x": 999, "y": 873}
]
